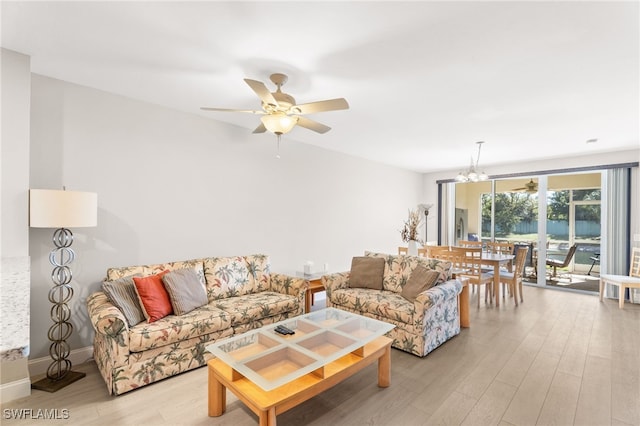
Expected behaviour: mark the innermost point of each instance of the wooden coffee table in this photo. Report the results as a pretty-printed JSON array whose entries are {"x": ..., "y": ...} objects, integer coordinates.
[{"x": 271, "y": 374}]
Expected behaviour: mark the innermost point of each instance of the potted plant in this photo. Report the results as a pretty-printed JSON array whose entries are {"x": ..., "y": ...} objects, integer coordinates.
[{"x": 409, "y": 231}]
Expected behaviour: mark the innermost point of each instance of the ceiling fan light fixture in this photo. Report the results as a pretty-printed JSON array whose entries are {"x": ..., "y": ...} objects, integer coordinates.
[{"x": 279, "y": 123}]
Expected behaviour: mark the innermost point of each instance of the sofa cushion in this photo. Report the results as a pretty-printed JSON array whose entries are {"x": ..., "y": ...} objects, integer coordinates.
[
  {"x": 253, "y": 307},
  {"x": 421, "y": 279},
  {"x": 259, "y": 270},
  {"x": 366, "y": 272},
  {"x": 185, "y": 290},
  {"x": 398, "y": 269},
  {"x": 227, "y": 277},
  {"x": 386, "y": 305},
  {"x": 154, "y": 299},
  {"x": 122, "y": 293},
  {"x": 144, "y": 270},
  {"x": 171, "y": 329}
]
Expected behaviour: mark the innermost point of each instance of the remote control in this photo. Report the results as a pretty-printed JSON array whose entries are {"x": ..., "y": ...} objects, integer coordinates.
[
  {"x": 284, "y": 330},
  {"x": 280, "y": 331}
]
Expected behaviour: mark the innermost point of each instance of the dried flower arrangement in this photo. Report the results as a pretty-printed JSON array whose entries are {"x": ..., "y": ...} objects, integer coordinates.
[{"x": 410, "y": 230}]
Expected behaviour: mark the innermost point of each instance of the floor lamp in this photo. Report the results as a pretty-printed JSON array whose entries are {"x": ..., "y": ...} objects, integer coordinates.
[
  {"x": 61, "y": 210},
  {"x": 426, "y": 208}
]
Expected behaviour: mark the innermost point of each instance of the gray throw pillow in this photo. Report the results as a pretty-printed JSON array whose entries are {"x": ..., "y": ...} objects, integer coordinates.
[
  {"x": 421, "y": 279},
  {"x": 366, "y": 272},
  {"x": 186, "y": 292},
  {"x": 122, "y": 293}
]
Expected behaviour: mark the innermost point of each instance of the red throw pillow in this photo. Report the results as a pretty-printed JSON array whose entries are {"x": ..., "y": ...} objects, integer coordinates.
[{"x": 154, "y": 299}]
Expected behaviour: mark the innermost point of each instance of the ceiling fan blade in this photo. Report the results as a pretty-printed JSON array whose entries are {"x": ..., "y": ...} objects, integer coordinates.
[
  {"x": 321, "y": 106},
  {"x": 261, "y": 90},
  {"x": 312, "y": 125},
  {"x": 260, "y": 129},
  {"x": 251, "y": 111}
]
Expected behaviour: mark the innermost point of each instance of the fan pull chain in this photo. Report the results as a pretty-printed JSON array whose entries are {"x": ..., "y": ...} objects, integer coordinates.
[{"x": 278, "y": 153}]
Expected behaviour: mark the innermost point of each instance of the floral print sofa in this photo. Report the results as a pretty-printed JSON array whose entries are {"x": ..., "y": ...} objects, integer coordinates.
[
  {"x": 421, "y": 326},
  {"x": 242, "y": 295}
]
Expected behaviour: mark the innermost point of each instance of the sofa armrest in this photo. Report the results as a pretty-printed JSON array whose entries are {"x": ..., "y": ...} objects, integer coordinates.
[
  {"x": 335, "y": 281},
  {"x": 292, "y": 286},
  {"x": 286, "y": 284},
  {"x": 436, "y": 295},
  {"x": 107, "y": 320}
]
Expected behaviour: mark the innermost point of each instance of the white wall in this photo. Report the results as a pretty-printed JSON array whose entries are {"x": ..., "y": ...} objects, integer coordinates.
[{"x": 174, "y": 186}]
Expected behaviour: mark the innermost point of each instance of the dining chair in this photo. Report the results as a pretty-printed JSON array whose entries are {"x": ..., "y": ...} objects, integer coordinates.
[
  {"x": 433, "y": 251},
  {"x": 555, "y": 263},
  {"x": 422, "y": 251},
  {"x": 624, "y": 282},
  {"x": 475, "y": 274},
  {"x": 514, "y": 279},
  {"x": 403, "y": 250},
  {"x": 501, "y": 248},
  {"x": 467, "y": 243},
  {"x": 455, "y": 255}
]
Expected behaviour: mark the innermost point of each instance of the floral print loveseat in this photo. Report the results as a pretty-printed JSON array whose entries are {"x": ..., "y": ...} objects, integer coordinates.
[
  {"x": 242, "y": 295},
  {"x": 421, "y": 326}
]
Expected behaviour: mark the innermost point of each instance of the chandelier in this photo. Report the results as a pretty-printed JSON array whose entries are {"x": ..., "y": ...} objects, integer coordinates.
[{"x": 472, "y": 174}]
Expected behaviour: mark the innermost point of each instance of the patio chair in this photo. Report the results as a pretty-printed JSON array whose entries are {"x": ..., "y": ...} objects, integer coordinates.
[{"x": 555, "y": 263}]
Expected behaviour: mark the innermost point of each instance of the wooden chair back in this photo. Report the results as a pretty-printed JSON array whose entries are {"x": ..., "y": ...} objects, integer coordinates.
[
  {"x": 520, "y": 260},
  {"x": 467, "y": 243},
  {"x": 634, "y": 268},
  {"x": 434, "y": 251},
  {"x": 422, "y": 251},
  {"x": 500, "y": 247},
  {"x": 473, "y": 270},
  {"x": 473, "y": 260},
  {"x": 403, "y": 250}
]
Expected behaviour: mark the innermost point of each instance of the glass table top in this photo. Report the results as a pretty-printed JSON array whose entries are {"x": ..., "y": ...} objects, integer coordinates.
[{"x": 270, "y": 359}]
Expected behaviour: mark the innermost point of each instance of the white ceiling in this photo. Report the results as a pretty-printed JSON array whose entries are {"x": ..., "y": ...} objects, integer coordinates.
[{"x": 425, "y": 80}]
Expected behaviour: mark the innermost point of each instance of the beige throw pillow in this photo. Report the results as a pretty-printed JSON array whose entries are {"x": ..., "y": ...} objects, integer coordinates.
[
  {"x": 421, "y": 279},
  {"x": 366, "y": 272},
  {"x": 185, "y": 290}
]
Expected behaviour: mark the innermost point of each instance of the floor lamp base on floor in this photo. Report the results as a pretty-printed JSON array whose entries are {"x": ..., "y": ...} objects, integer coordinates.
[{"x": 49, "y": 385}]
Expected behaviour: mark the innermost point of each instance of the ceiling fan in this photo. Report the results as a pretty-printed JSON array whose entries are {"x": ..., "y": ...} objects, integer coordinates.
[
  {"x": 279, "y": 111},
  {"x": 529, "y": 187}
]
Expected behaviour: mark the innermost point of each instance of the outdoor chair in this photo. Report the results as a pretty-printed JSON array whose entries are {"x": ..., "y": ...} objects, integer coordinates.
[{"x": 555, "y": 263}]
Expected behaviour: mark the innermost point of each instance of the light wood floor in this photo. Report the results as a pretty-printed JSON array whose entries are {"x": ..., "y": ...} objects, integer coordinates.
[{"x": 559, "y": 358}]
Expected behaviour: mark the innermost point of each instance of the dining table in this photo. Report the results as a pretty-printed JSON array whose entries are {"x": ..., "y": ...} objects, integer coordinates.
[{"x": 496, "y": 260}]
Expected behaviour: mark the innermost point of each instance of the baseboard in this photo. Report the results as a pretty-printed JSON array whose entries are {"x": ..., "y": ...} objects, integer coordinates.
[
  {"x": 39, "y": 366},
  {"x": 15, "y": 390}
]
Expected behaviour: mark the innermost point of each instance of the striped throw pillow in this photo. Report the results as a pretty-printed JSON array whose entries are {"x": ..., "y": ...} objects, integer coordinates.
[
  {"x": 185, "y": 289},
  {"x": 122, "y": 293}
]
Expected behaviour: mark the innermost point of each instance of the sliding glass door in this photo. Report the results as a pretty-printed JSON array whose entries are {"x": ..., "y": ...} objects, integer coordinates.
[{"x": 508, "y": 210}]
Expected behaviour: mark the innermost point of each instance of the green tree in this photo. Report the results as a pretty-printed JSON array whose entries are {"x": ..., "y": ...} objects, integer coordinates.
[
  {"x": 511, "y": 209},
  {"x": 558, "y": 205}
]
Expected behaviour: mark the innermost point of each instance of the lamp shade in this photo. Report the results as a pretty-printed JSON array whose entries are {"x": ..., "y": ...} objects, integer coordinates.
[
  {"x": 279, "y": 123},
  {"x": 49, "y": 208}
]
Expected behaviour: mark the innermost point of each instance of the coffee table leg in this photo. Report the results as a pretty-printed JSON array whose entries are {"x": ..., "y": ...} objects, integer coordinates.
[
  {"x": 217, "y": 396},
  {"x": 268, "y": 417},
  {"x": 464, "y": 306},
  {"x": 384, "y": 368}
]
